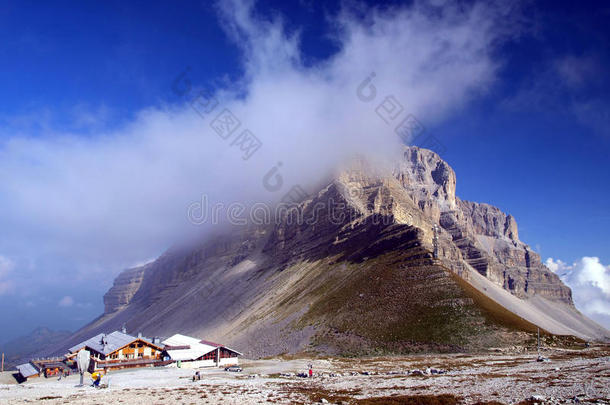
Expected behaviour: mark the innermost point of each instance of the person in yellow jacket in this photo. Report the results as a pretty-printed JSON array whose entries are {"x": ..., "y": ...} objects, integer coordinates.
[{"x": 97, "y": 377}]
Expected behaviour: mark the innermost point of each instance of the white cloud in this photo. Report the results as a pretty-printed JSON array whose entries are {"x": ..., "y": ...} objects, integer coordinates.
[
  {"x": 66, "y": 301},
  {"x": 92, "y": 204},
  {"x": 589, "y": 280},
  {"x": 6, "y": 267}
]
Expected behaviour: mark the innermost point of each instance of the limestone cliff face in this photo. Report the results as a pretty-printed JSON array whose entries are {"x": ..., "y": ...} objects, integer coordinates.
[
  {"x": 487, "y": 238},
  {"x": 488, "y": 220},
  {"x": 125, "y": 286},
  {"x": 429, "y": 180}
]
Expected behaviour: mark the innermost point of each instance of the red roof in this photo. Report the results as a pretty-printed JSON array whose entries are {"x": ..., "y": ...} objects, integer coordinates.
[{"x": 207, "y": 342}]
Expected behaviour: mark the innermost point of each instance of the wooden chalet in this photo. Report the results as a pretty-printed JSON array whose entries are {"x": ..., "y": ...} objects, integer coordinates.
[{"x": 120, "y": 350}]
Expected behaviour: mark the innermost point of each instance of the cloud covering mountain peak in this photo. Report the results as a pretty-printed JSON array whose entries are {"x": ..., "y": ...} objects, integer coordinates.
[{"x": 589, "y": 280}]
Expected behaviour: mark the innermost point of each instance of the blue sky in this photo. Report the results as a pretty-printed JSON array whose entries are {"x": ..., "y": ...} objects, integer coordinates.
[{"x": 525, "y": 124}]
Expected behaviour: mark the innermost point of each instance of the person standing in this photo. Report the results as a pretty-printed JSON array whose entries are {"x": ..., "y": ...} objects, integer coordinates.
[{"x": 97, "y": 376}]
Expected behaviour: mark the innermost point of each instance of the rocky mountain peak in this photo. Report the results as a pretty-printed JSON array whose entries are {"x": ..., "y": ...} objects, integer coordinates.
[
  {"x": 428, "y": 179},
  {"x": 421, "y": 191}
]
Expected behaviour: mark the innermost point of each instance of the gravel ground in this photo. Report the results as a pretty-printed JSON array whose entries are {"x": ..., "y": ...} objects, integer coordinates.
[{"x": 570, "y": 376}]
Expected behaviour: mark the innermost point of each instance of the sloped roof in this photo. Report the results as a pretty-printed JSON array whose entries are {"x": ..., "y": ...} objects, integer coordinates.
[
  {"x": 27, "y": 370},
  {"x": 232, "y": 350},
  {"x": 207, "y": 342},
  {"x": 194, "y": 351},
  {"x": 114, "y": 341}
]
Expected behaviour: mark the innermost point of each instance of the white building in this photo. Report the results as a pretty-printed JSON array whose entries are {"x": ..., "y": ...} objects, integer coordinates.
[{"x": 190, "y": 352}]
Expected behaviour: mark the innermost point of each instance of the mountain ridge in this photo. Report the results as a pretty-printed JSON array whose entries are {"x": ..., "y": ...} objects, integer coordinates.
[
  {"x": 288, "y": 285},
  {"x": 37, "y": 343}
]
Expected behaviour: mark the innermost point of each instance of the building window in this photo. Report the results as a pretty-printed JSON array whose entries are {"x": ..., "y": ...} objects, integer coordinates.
[{"x": 209, "y": 356}]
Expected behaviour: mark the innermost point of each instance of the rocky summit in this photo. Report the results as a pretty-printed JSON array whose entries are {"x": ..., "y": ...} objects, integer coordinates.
[{"x": 379, "y": 260}]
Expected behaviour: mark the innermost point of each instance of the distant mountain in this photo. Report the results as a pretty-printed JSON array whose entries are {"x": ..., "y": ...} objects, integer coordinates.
[
  {"x": 356, "y": 268},
  {"x": 37, "y": 343}
]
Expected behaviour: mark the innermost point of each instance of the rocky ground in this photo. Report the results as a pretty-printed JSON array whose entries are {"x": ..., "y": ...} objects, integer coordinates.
[{"x": 570, "y": 376}]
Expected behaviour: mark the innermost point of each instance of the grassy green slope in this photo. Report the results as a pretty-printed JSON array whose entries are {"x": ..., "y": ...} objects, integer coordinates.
[{"x": 400, "y": 303}]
